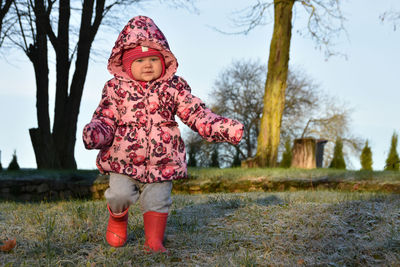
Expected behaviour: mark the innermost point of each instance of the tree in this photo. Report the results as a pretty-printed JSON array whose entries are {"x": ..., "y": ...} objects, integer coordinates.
[
  {"x": 13, "y": 166},
  {"x": 236, "y": 160},
  {"x": 37, "y": 23},
  {"x": 308, "y": 112},
  {"x": 287, "y": 154},
  {"x": 392, "y": 161},
  {"x": 198, "y": 151},
  {"x": 325, "y": 21},
  {"x": 237, "y": 93},
  {"x": 366, "y": 158},
  {"x": 338, "y": 159},
  {"x": 192, "y": 162},
  {"x": 214, "y": 158},
  {"x": 193, "y": 142},
  {"x": 1, "y": 166},
  {"x": 391, "y": 16},
  {"x": 333, "y": 123},
  {"x": 4, "y": 8}
]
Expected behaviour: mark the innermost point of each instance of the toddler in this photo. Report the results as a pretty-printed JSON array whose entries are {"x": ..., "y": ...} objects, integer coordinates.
[{"x": 135, "y": 129}]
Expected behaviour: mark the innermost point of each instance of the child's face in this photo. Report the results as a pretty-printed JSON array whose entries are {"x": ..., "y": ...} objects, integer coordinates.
[{"x": 146, "y": 68}]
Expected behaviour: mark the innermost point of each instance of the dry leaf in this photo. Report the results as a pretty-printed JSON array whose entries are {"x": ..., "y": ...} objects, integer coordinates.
[
  {"x": 300, "y": 262},
  {"x": 8, "y": 245}
]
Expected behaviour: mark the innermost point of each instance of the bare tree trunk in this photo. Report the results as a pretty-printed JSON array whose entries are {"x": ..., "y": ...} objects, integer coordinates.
[
  {"x": 65, "y": 124},
  {"x": 42, "y": 140},
  {"x": 274, "y": 97},
  {"x": 304, "y": 153},
  {"x": 61, "y": 125}
]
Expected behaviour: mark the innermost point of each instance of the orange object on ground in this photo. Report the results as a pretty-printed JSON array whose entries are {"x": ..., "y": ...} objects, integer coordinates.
[{"x": 8, "y": 245}]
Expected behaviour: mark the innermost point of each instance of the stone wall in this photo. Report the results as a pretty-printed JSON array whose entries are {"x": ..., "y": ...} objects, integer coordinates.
[
  {"x": 37, "y": 188},
  {"x": 92, "y": 186}
]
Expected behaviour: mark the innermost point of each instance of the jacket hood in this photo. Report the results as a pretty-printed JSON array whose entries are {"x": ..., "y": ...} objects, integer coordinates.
[{"x": 141, "y": 30}]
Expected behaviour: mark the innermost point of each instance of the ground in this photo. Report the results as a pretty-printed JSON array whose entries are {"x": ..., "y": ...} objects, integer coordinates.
[{"x": 328, "y": 228}]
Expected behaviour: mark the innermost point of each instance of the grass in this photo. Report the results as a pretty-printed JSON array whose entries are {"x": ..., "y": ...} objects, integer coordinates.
[
  {"x": 246, "y": 180},
  {"x": 278, "y": 174},
  {"x": 327, "y": 228},
  {"x": 292, "y": 173}
]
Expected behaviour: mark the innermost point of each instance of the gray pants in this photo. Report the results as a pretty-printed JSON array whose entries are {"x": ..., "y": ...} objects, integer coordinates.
[{"x": 124, "y": 191}]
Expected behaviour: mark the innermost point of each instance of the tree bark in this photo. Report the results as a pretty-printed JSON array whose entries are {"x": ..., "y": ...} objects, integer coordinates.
[
  {"x": 304, "y": 153},
  {"x": 66, "y": 124},
  {"x": 61, "y": 47},
  {"x": 56, "y": 150},
  {"x": 61, "y": 125},
  {"x": 41, "y": 138},
  {"x": 274, "y": 97}
]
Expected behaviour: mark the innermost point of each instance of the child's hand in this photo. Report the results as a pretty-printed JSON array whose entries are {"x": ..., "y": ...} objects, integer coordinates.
[
  {"x": 95, "y": 136},
  {"x": 237, "y": 135}
]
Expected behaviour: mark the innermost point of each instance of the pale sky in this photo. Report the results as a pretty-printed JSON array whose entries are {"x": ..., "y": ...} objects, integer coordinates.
[{"x": 368, "y": 80}]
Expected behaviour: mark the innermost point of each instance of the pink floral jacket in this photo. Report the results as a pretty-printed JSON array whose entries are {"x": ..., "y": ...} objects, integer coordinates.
[{"x": 134, "y": 125}]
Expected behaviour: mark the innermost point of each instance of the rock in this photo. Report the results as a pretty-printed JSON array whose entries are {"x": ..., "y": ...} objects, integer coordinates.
[{"x": 42, "y": 188}]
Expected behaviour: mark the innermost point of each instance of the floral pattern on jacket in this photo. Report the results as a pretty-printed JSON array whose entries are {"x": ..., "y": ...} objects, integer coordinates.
[{"x": 134, "y": 125}]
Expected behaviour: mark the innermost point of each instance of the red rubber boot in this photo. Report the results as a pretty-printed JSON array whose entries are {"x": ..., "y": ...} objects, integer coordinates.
[
  {"x": 116, "y": 234},
  {"x": 154, "y": 228}
]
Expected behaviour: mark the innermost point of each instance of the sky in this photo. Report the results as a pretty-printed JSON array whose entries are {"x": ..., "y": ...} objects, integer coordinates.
[{"x": 367, "y": 79}]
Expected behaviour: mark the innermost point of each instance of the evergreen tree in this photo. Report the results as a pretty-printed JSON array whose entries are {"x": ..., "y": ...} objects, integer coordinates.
[
  {"x": 236, "y": 160},
  {"x": 214, "y": 158},
  {"x": 366, "y": 158},
  {"x": 14, "y": 163},
  {"x": 1, "y": 167},
  {"x": 338, "y": 159},
  {"x": 287, "y": 154},
  {"x": 192, "y": 162},
  {"x": 392, "y": 161}
]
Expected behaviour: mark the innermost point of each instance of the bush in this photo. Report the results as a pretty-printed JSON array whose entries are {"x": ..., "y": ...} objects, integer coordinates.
[
  {"x": 215, "y": 158},
  {"x": 286, "y": 161},
  {"x": 392, "y": 161},
  {"x": 338, "y": 159},
  {"x": 192, "y": 162},
  {"x": 236, "y": 160},
  {"x": 14, "y": 163},
  {"x": 366, "y": 158}
]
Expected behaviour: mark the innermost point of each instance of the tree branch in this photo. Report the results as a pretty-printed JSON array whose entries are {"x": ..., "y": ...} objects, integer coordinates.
[
  {"x": 19, "y": 16},
  {"x": 4, "y": 10},
  {"x": 49, "y": 30},
  {"x": 250, "y": 18}
]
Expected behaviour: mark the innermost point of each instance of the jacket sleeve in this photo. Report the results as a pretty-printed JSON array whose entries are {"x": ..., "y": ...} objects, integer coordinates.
[
  {"x": 210, "y": 126},
  {"x": 100, "y": 131}
]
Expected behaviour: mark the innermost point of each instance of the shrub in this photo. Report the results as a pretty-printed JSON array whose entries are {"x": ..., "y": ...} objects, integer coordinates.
[
  {"x": 14, "y": 163},
  {"x": 392, "y": 161},
  {"x": 215, "y": 158},
  {"x": 192, "y": 162},
  {"x": 236, "y": 160},
  {"x": 287, "y": 154},
  {"x": 338, "y": 159},
  {"x": 366, "y": 158}
]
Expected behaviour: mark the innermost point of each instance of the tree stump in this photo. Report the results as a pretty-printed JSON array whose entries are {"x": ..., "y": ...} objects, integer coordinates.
[
  {"x": 320, "y": 152},
  {"x": 249, "y": 163},
  {"x": 304, "y": 153}
]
